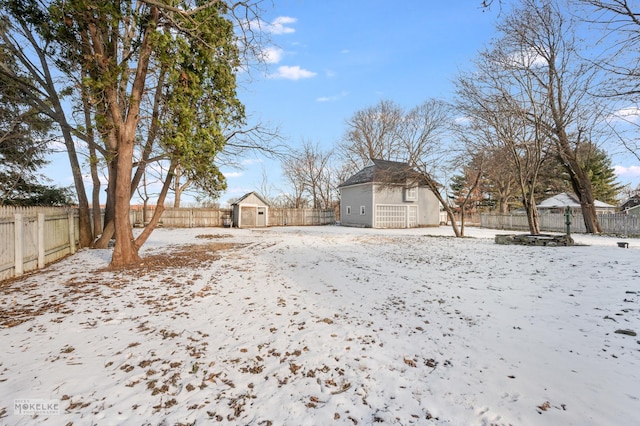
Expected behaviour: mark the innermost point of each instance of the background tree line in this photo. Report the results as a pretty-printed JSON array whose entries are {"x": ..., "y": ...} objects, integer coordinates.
[
  {"x": 145, "y": 91},
  {"x": 536, "y": 115}
]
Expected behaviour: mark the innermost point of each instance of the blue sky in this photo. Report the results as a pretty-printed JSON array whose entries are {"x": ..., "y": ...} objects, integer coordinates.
[
  {"x": 337, "y": 57},
  {"x": 331, "y": 58}
]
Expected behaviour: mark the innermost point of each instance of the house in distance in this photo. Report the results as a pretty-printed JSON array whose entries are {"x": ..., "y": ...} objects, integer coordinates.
[
  {"x": 387, "y": 194},
  {"x": 558, "y": 204}
]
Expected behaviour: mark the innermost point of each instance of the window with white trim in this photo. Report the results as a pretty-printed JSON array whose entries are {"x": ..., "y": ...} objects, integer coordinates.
[
  {"x": 411, "y": 194},
  {"x": 361, "y": 210},
  {"x": 348, "y": 210}
]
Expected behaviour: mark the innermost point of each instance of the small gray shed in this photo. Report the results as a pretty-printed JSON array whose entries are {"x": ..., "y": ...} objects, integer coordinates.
[{"x": 250, "y": 211}]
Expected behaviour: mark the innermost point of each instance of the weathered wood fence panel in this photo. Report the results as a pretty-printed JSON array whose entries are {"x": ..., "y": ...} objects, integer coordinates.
[
  {"x": 616, "y": 224},
  {"x": 300, "y": 217},
  {"x": 183, "y": 217},
  {"x": 33, "y": 237},
  {"x": 210, "y": 217}
]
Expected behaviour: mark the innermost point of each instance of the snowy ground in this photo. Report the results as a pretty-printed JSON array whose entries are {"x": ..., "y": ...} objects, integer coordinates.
[{"x": 329, "y": 325}]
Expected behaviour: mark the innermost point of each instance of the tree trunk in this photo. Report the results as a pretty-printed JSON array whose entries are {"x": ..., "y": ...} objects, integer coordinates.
[
  {"x": 125, "y": 251},
  {"x": 95, "y": 196},
  {"x": 532, "y": 217},
  {"x": 85, "y": 236},
  {"x": 93, "y": 166},
  {"x": 178, "y": 189},
  {"x": 433, "y": 186},
  {"x": 581, "y": 185},
  {"x": 109, "y": 211},
  {"x": 157, "y": 213}
]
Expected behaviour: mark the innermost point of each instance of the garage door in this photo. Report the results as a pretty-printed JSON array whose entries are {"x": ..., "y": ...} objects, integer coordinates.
[{"x": 390, "y": 216}]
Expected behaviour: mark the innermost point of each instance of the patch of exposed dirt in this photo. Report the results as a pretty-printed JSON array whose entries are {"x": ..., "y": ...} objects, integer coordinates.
[
  {"x": 99, "y": 283},
  {"x": 213, "y": 236},
  {"x": 182, "y": 256}
]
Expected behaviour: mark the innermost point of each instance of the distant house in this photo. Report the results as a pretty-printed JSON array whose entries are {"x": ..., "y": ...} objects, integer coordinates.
[
  {"x": 633, "y": 211},
  {"x": 250, "y": 211},
  {"x": 630, "y": 203},
  {"x": 387, "y": 194},
  {"x": 558, "y": 204}
]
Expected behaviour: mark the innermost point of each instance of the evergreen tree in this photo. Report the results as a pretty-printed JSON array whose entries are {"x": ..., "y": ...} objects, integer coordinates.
[
  {"x": 554, "y": 178},
  {"x": 24, "y": 136}
]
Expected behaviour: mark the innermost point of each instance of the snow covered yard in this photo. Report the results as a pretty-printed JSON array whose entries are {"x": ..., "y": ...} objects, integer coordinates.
[{"x": 329, "y": 325}]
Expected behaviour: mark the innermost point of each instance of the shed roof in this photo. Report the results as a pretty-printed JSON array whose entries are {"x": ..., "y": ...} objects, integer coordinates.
[
  {"x": 566, "y": 199},
  {"x": 382, "y": 171},
  {"x": 245, "y": 196}
]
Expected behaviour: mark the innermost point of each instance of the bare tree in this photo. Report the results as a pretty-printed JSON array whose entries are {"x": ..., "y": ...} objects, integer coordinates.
[
  {"x": 292, "y": 170},
  {"x": 619, "y": 23},
  {"x": 500, "y": 100},
  {"x": 417, "y": 137},
  {"x": 309, "y": 173},
  {"x": 467, "y": 186},
  {"x": 371, "y": 133},
  {"x": 421, "y": 138},
  {"x": 562, "y": 82}
]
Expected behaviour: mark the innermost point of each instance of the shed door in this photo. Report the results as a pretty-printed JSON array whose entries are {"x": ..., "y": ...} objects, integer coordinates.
[
  {"x": 247, "y": 217},
  {"x": 262, "y": 216}
]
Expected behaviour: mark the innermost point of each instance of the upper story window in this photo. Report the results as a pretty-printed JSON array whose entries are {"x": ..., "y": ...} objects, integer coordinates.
[
  {"x": 362, "y": 210},
  {"x": 411, "y": 194},
  {"x": 348, "y": 210}
]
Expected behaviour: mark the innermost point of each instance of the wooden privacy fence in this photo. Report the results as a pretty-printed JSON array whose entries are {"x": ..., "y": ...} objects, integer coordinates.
[
  {"x": 210, "y": 217},
  {"x": 616, "y": 224},
  {"x": 301, "y": 217},
  {"x": 182, "y": 217},
  {"x": 33, "y": 237}
]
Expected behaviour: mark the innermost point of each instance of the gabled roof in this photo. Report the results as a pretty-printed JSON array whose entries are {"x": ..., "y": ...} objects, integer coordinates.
[
  {"x": 245, "y": 196},
  {"x": 631, "y": 202},
  {"x": 569, "y": 200},
  {"x": 382, "y": 171}
]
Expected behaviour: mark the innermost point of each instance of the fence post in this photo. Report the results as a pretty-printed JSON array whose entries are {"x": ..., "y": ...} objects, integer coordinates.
[
  {"x": 18, "y": 230},
  {"x": 40, "y": 240},
  {"x": 72, "y": 234}
]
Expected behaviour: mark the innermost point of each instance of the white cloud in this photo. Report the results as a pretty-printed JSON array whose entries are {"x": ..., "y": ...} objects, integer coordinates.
[
  {"x": 632, "y": 171},
  {"x": 231, "y": 175},
  {"x": 251, "y": 161},
  {"x": 272, "y": 55},
  {"x": 293, "y": 73},
  {"x": 523, "y": 59},
  {"x": 629, "y": 114},
  {"x": 280, "y": 25},
  {"x": 345, "y": 51},
  {"x": 332, "y": 98}
]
